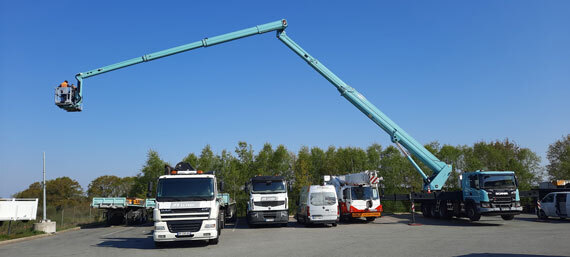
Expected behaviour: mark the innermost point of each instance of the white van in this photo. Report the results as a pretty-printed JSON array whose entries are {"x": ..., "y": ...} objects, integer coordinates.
[
  {"x": 317, "y": 205},
  {"x": 556, "y": 204}
]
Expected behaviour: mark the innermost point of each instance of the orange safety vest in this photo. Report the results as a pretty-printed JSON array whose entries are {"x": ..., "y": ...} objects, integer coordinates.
[{"x": 63, "y": 84}]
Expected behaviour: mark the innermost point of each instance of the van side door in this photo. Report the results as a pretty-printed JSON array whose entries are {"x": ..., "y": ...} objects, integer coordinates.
[{"x": 547, "y": 205}]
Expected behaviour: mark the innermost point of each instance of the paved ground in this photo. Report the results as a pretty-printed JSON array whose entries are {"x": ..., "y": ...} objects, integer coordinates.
[{"x": 388, "y": 236}]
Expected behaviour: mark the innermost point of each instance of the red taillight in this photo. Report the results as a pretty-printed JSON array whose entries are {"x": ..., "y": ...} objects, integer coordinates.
[
  {"x": 337, "y": 211},
  {"x": 308, "y": 212}
]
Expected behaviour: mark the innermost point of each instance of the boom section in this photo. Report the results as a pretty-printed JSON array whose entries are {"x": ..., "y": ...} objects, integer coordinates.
[
  {"x": 440, "y": 170},
  {"x": 259, "y": 29}
]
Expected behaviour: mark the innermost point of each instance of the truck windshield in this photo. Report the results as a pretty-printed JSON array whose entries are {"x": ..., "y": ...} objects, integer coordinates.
[
  {"x": 323, "y": 199},
  {"x": 185, "y": 189},
  {"x": 364, "y": 193},
  {"x": 497, "y": 181},
  {"x": 269, "y": 187}
]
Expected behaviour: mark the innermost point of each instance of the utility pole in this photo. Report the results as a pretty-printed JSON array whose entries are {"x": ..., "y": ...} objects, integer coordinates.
[{"x": 44, "y": 186}]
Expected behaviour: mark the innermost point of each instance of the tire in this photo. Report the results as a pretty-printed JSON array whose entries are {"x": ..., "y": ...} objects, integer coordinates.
[
  {"x": 222, "y": 220},
  {"x": 472, "y": 213},
  {"x": 214, "y": 241},
  {"x": 508, "y": 217},
  {"x": 159, "y": 244},
  {"x": 542, "y": 215},
  {"x": 433, "y": 213},
  {"x": 443, "y": 212},
  {"x": 426, "y": 210},
  {"x": 334, "y": 224},
  {"x": 370, "y": 219}
]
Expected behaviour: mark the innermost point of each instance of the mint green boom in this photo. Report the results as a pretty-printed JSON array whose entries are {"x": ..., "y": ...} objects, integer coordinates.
[{"x": 440, "y": 170}]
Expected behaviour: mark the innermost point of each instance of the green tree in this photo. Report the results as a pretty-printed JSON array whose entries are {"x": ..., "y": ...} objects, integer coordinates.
[
  {"x": 153, "y": 168},
  {"x": 262, "y": 162},
  {"x": 318, "y": 166},
  {"x": 110, "y": 186},
  {"x": 505, "y": 156},
  {"x": 373, "y": 153},
  {"x": 192, "y": 159},
  {"x": 558, "y": 156},
  {"x": 207, "y": 160},
  {"x": 60, "y": 192}
]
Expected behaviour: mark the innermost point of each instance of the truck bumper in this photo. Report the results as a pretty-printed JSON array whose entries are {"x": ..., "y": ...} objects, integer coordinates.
[
  {"x": 500, "y": 211},
  {"x": 323, "y": 220},
  {"x": 162, "y": 233},
  {"x": 366, "y": 214},
  {"x": 268, "y": 217}
]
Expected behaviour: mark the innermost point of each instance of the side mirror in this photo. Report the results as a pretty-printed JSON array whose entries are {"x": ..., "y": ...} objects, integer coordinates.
[
  {"x": 290, "y": 186},
  {"x": 245, "y": 187},
  {"x": 476, "y": 183},
  {"x": 221, "y": 187}
]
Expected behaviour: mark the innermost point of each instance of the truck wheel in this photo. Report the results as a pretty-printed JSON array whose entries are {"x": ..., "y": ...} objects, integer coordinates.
[
  {"x": 508, "y": 216},
  {"x": 444, "y": 213},
  {"x": 433, "y": 212},
  {"x": 334, "y": 224},
  {"x": 222, "y": 220},
  {"x": 214, "y": 241},
  {"x": 425, "y": 210},
  {"x": 472, "y": 213},
  {"x": 370, "y": 219}
]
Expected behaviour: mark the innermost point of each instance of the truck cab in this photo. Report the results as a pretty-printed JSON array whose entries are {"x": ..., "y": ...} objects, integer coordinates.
[
  {"x": 490, "y": 193},
  {"x": 268, "y": 202},
  {"x": 187, "y": 207}
]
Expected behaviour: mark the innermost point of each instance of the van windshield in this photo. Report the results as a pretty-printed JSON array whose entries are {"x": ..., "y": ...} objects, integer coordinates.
[
  {"x": 364, "y": 193},
  {"x": 323, "y": 199}
]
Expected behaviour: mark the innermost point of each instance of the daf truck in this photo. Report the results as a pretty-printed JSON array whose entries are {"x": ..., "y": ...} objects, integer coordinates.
[{"x": 187, "y": 206}]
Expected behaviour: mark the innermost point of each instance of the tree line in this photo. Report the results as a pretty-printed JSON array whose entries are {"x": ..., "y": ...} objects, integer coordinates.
[{"x": 309, "y": 164}]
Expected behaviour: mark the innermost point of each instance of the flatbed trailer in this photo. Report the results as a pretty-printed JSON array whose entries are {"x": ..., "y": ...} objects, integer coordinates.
[{"x": 123, "y": 210}]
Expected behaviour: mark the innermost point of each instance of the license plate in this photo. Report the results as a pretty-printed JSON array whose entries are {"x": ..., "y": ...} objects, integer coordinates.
[
  {"x": 504, "y": 209},
  {"x": 315, "y": 217},
  {"x": 269, "y": 220},
  {"x": 184, "y": 233}
]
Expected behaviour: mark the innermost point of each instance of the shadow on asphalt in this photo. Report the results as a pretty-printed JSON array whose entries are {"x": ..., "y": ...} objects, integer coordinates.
[
  {"x": 128, "y": 243},
  {"x": 455, "y": 222},
  {"x": 549, "y": 220},
  {"x": 505, "y": 255},
  {"x": 242, "y": 224}
]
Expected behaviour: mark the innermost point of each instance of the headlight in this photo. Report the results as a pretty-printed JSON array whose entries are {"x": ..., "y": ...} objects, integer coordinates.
[
  {"x": 485, "y": 205},
  {"x": 159, "y": 228},
  {"x": 210, "y": 225}
]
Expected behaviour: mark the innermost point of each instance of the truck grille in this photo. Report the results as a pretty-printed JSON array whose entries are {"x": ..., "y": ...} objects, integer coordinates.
[
  {"x": 269, "y": 215},
  {"x": 184, "y": 226},
  {"x": 189, "y": 210},
  {"x": 269, "y": 203},
  {"x": 503, "y": 199}
]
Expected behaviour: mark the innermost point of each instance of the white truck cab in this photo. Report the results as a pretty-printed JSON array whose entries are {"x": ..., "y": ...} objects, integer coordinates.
[
  {"x": 317, "y": 205},
  {"x": 187, "y": 207},
  {"x": 268, "y": 202},
  {"x": 555, "y": 204}
]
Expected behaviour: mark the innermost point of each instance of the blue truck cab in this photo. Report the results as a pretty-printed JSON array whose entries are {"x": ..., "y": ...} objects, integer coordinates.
[{"x": 490, "y": 193}]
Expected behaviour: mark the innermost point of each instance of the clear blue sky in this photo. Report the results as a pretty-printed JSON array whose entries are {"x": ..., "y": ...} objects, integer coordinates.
[{"x": 456, "y": 72}]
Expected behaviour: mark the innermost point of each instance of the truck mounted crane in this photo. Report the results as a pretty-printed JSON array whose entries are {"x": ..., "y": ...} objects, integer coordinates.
[{"x": 487, "y": 193}]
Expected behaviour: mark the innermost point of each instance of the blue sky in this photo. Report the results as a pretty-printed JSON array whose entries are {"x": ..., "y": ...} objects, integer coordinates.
[{"x": 456, "y": 72}]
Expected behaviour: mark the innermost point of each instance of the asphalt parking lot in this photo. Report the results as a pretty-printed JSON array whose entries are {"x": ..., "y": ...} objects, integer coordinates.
[{"x": 387, "y": 236}]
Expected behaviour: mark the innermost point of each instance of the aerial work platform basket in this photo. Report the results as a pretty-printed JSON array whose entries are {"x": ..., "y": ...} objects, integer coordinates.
[{"x": 68, "y": 98}]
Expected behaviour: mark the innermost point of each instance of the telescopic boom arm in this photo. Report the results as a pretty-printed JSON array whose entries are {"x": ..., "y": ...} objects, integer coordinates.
[{"x": 440, "y": 170}]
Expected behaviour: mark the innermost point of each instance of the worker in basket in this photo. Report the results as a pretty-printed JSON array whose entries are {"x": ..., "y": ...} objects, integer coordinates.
[
  {"x": 74, "y": 93},
  {"x": 63, "y": 95}
]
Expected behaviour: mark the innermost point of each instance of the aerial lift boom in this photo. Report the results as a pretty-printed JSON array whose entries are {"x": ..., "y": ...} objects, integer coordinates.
[{"x": 440, "y": 170}]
